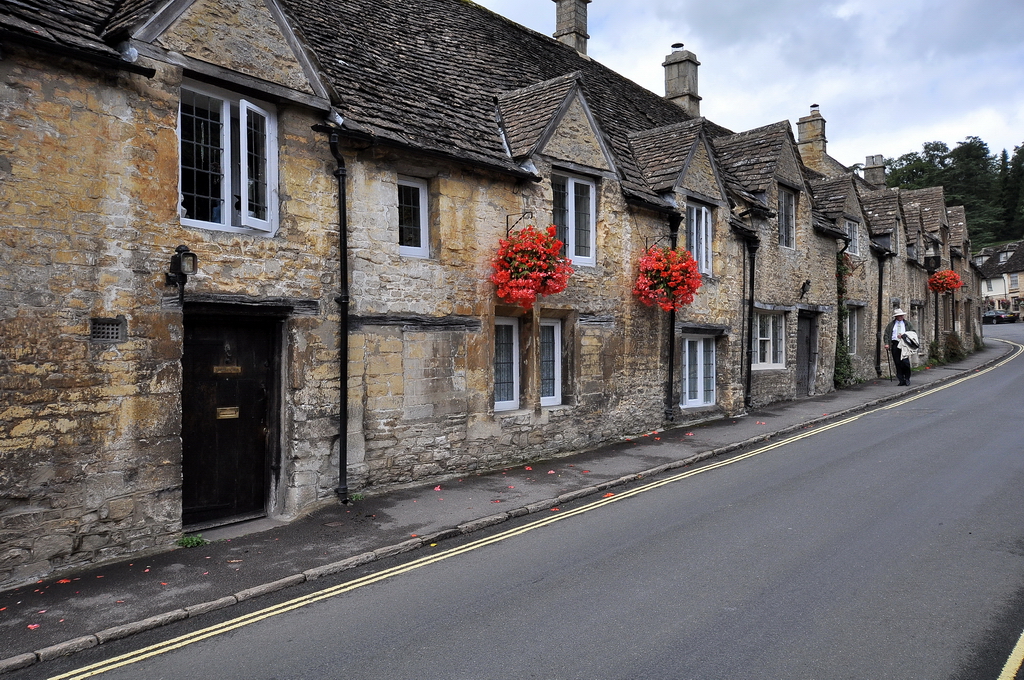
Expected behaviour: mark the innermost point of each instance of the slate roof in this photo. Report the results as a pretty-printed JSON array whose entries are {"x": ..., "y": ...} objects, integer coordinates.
[
  {"x": 526, "y": 114},
  {"x": 72, "y": 24},
  {"x": 830, "y": 195},
  {"x": 881, "y": 208},
  {"x": 956, "y": 217},
  {"x": 932, "y": 202},
  {"x": 453, "y": 78},
  {"x": 425, "y": 73},
  {"x": 751, "y": 157},
  {"x": 993, "y": 268},
  {"x": 661, "y": 153}
]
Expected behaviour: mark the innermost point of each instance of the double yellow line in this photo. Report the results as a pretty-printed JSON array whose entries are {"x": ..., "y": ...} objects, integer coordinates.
[{"x": 177, "y": 643}]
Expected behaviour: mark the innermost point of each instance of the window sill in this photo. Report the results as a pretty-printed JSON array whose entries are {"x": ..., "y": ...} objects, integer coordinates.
[{"x": 768, "y": 367}]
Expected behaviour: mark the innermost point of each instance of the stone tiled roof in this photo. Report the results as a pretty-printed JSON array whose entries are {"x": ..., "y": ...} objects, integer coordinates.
[
  {"x": 129, "y": 14},
  {"x": 525, "y": 114},
  {"x": 751, "y": 157},
  {"x": 932, "y": 202},
  {"x": 881, "y": 209},
  {"x": 425, "y": 74},
  {"x": 830, "y": 195},
  {"x": 956, "y": 217},
  {"x": 71, "y": 24},
  {"x": 661, "y": 153}
]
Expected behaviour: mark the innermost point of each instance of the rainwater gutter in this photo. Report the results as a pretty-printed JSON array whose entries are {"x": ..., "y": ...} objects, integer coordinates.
[
  {"x": 674, "y": 220},
  {"x": 883, "y": 255},
  {"x": 343, "y": 300}
]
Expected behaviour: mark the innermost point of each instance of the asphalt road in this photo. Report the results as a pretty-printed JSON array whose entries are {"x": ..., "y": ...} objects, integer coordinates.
[{"x": 890, "y": 545}]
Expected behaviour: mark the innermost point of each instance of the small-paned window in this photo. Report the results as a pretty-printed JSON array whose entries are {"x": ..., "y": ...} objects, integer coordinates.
[
  {"x": 413, "y": 234},
  {"x": 506, "y": 364},
  {"x": 228, "y": 162},
  {"x": 853, "y": 231},
  {"x": 698, "y": 387},
  {"x": 787, "y": 218},
  {"x": 770, "y": 337},
  {"x": 852, "y": 329},
  {"x": 550, "y": 362},
  {"x": 573, "y": 209},
  {"x": 699, "y": 236}
]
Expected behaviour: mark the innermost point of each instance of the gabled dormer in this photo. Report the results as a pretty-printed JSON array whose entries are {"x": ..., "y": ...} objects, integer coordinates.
[
  {"x": 549, "y": 128},
  {"x": 553, "y": 119},
  {"x": 678, "y": 162}
]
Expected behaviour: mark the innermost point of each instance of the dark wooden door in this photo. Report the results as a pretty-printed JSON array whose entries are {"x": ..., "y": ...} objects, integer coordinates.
[
  {"x": 228, "y": 368},
  {"x": 806, "y": 354}
]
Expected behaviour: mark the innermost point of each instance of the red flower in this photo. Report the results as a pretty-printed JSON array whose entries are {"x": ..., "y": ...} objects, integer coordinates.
[
  {"x": 668, "y": 278},
  {"x": 944, "y": 282},
  {"x": 529, "y": 263}
]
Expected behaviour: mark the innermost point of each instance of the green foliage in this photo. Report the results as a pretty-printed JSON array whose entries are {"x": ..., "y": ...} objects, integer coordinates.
[
  {"x": 194, "y": 541},
  {"x": 935, "y": 357},
  {"x": 990, "y": 188},
  {"x": 355, "y": 496},
  {"x": 843, "y": 375},
  {"x": 953, "y": 348}
]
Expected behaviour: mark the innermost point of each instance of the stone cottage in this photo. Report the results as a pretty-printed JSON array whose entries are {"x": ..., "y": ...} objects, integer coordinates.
[{"x": 247, "y": 250}]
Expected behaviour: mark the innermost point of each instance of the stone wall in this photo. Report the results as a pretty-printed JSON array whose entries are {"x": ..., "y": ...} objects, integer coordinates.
[{"x": 90, "y": 431}]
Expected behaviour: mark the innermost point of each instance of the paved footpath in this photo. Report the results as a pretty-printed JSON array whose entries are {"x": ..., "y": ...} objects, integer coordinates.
[{"x": 62, "y": 615}]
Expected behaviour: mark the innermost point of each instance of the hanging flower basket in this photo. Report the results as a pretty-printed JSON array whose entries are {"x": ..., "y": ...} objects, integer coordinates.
[
  {"x": 668, "y": 278},
  {"x": 945, "y": 281},
  {"x": 529, "y": 263}
]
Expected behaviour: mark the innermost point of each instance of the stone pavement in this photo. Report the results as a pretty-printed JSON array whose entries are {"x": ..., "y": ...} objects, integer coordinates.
[{"x": 62, "y": 615}]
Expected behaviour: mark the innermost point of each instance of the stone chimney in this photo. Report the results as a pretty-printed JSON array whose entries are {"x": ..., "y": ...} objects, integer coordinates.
[
  {"x": 874, "y": 170},
  {"x": 811, "y": 141},
  {"x": 681, "y": 80},
  {"x": 571, "y": 23}
]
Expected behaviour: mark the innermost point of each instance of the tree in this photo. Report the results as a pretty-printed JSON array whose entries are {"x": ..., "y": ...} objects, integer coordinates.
[{"x": 970, "y": 175}]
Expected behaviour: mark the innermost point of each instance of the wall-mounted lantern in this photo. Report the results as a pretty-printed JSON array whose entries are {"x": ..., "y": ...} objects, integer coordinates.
[{"x": 184, "y": 263}]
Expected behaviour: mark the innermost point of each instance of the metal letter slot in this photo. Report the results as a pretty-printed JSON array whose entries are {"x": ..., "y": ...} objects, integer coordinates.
[
  {"x": 227, "y": 370},
  {"x": 228, "y": 412}
]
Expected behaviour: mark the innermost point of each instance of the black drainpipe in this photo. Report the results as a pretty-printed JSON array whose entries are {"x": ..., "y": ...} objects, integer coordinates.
[
  {"x": 878, "y": 320},
  {"x": 343, "y": 304},
  {"x": 670, "y": 410},
  {"x": 752, "y": 245}
]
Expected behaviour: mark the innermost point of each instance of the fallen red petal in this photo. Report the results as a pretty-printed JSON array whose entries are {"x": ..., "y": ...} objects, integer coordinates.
[
  {"x": 33, "y": 626},
  {"x": 608, "y": 495}
]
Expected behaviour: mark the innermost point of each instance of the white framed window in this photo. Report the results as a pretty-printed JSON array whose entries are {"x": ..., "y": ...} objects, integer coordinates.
[
  {"x": 413, "y": 218},
  {"x": 787, "y": 218},
  {"x": 988, "y": 285},
  {"x": 852, "y": 329},
  {"x": 506, "y": 363},
  {"x": 1013, "y": 281},
  {"x": 228, "y": 162},
  {"x": 573, "y": 208},
  {"x": 699, "y": 236},
  {"x": 550, "y": 362},
  {"x": 853, "y": 230},
  {"x": 698, "y": 387},
  {"x": 770, "y": 336}
]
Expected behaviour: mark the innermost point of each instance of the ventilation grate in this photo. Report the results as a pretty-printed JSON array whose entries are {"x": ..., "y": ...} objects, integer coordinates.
[{"x": 108, "y": 330}]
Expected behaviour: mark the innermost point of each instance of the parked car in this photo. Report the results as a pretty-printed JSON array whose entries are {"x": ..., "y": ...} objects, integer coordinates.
[{"x": 998, "y": 316}]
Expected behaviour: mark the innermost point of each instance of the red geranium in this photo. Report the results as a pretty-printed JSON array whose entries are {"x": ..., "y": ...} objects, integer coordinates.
[
  {"x": 668, "y": 278},
  {"x": 530, "y": 263},
  {"x": 944, "y": 282}
]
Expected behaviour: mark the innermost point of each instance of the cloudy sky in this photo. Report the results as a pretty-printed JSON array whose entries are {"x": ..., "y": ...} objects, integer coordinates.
[{"x": 888, "y": 76}]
